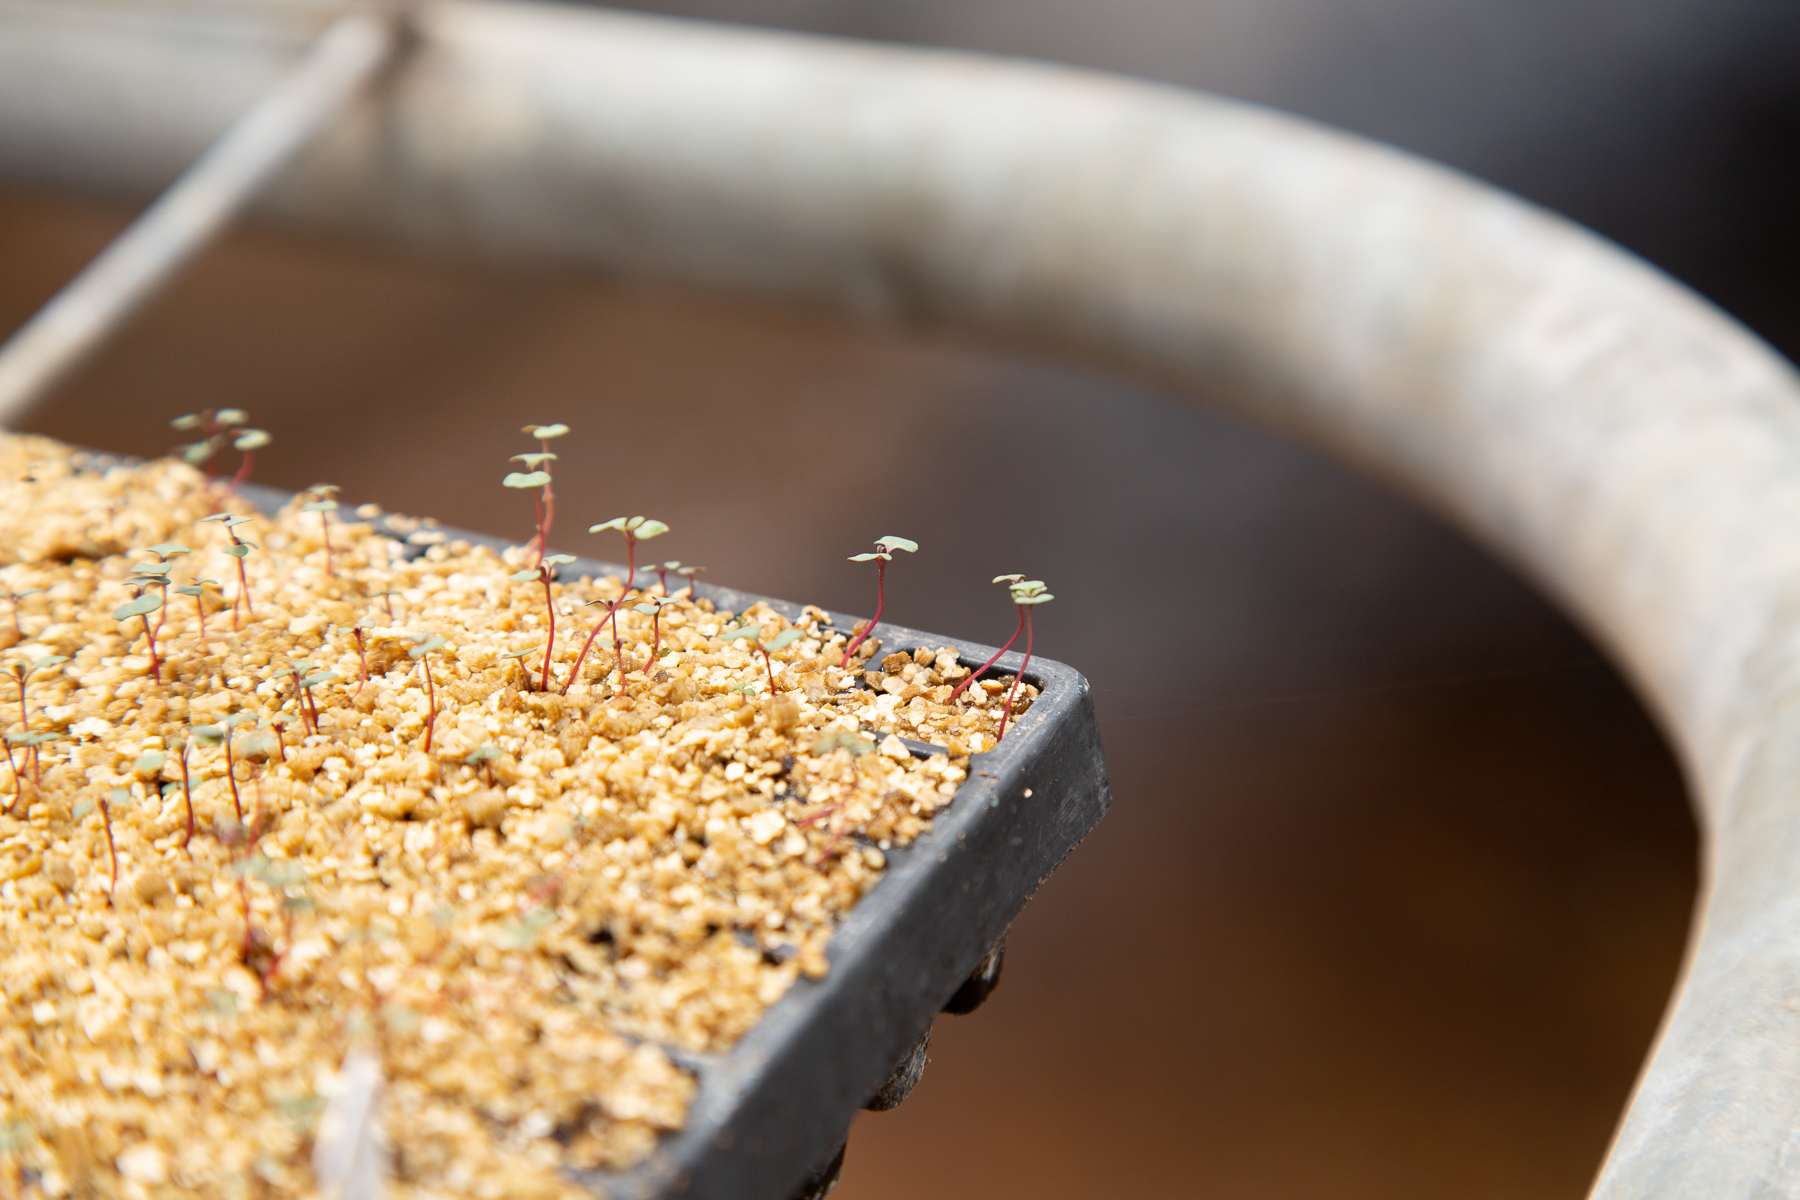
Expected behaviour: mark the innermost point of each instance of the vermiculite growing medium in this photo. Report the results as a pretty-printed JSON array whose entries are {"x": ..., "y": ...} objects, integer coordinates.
[{"x": 313, "y": 808}]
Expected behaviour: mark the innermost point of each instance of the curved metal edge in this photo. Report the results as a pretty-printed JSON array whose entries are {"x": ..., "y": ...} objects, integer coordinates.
[{"x": 1624, "y": 443}]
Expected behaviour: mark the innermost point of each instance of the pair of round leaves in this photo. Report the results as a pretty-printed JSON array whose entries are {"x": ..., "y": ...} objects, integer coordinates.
[
  {"x": 636, "y": 529},
  {"x": 536, "y": 476},
  {"x": 1025, "y": 591},
  {"x": 321, "y": 501},
  {"x": 542, "y": 570},
  {"x": 885, "y": 547}
]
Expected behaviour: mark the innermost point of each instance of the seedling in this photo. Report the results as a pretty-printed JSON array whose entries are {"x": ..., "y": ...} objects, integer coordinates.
[
  {"x": 238, "y": 549},
  {"x": 483, "y": 757},
  {"x": 17, "y": 596},
  {"x": 545, "y": 573},
  {"x": 652, "y": 607},
  {"x": 21, "y": 673},
  {"x": 216, "y": 427},
  {"x": 247, "y": 443},
  {"x": 635, "y": 529},
  {"x": 324, "y": 504},
  {"x": 1011, "y": 581},
  {"x": 219, "y": 427},
  {"x": 305, "y": 680},
  {"x": 688, "y": 574},
  {"x": 387, "y": 600},
  {"x": 612, "y": 615},
  {"x": 220, "y": 735},
  {"x": 779, "y": 642},
  {"x": 187, "y": 790},
  {"x": 518, "y": 656},
  {"x": 12, "y": 764},
  {"x": 119, "y": 796},
  {"x": 883, "y": 555},
  {"x": 662, "y": 574},
  {"x": 537, "y": 475},
  {"x": 1027, "y": 595},
  {"x": 33, "y": 741},
  {"x": 197, "y": 590},
  {"x": 152, "y": 575},
  {"x": 421, "y": 652},
  {"x": 362, "y": 658}
]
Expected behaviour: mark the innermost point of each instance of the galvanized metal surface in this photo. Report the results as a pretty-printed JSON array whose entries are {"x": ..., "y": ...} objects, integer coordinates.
[
  {"x": 193, "y": 212},
  {"x": 1617, "y": 438}
]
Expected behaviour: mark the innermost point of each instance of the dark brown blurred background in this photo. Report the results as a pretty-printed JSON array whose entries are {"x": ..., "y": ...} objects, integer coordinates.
[{"x": 1398, "y": 871}]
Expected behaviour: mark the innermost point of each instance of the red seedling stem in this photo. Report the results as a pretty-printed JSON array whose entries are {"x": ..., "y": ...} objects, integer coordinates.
[
  {"x": 543, "y": 502},
  {"x": 655, "y": 637},
  {"x": 977, "y": 674},
  {"x": 431, "y": 690},
  {"x": 111, "y": 850},
  {"x": 18, "y": 781},
  {"x": 362, "y": 657},
  {"x": 150, "y": 640},
  {"x": 1017, "y": 679},
  {"x": 880, "y": 599},
  {"x": 237, "y": 803},
  {"x": 611, "y": 608},
  {"x": 325, "y": 532},
  {"x": 19, "y": 673},
  {"x": 243, "y": 472},
  {"x": 243, "y": 587},
  {"x": 550, "y": 608},
  {"x": 187, "y": 794}
]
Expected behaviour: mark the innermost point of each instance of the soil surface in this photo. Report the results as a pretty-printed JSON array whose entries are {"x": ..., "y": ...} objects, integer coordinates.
[{"x": 347, "y": 809}]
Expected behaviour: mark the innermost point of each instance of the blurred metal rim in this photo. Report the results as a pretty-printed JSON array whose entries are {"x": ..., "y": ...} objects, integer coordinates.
[{"x": 1624, "y": 443}]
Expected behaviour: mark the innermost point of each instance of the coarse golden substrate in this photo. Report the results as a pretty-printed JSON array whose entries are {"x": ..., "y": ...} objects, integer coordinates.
[{"x": 517, "y": 922}]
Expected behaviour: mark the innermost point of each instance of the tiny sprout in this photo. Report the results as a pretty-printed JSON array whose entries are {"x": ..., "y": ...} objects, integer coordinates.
[
  {"x": 220, "y": 735},
  {"x": 32, "y": 742},
  {"x": 652, "y": 607},
  {"x": 779, "y": 642},
  {"x": 635, "y": 529},
  {"x": 662, "y": 573},
  {"x": 197, "y": 590},
  {"x": 856, "y": 744},
  {"x": 247, "y": 443},
  {"x": 187, "y": 791},
  {"x": 120, "y": 796},
  {"x": 324, "y": 504},
  {"x": 387, "y": 599},
  {"x": 1027, "y": 594},
  {"x": 518, "y": 656},
  {"x": 612, "y": 615},
  {"x": 217, "y": 427},
  {"x": 17, "y": 596},
  {"x": 1011, "y": 580},
  {"x": 483, "y": 757},
  {"x": 146, "y": 603},
  {"x": 21, "y": 672},
  {"x": 238, "y": 549},
  {"x": 544, "y": 502},
  {"x": 688, "y": 574},
  {"x": 544, "y": 573},
  {"x": 882, "y": 556},
  {"x": 421, "y": 651}
]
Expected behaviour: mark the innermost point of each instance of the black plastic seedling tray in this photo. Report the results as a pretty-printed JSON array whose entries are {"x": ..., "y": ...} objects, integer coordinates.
[{"x": 772, "y": 1113}]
